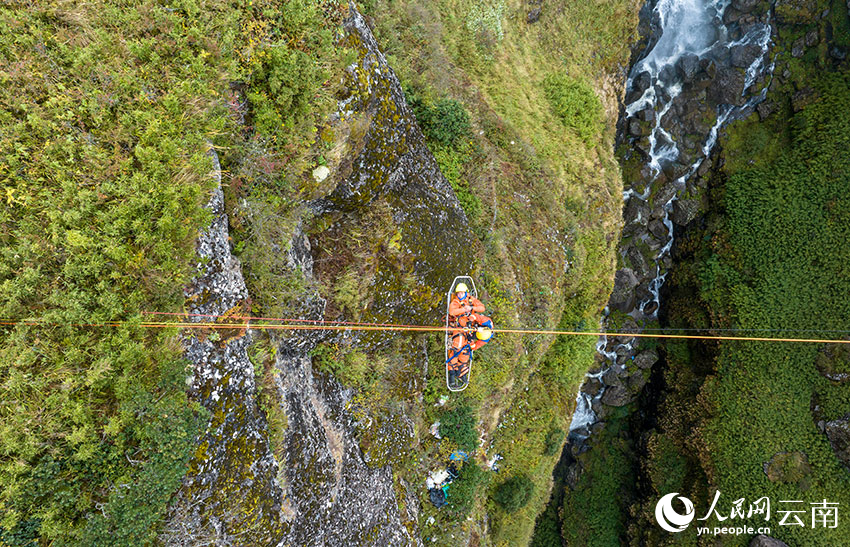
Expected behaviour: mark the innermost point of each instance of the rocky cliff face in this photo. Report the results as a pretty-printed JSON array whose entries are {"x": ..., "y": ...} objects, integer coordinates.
[
  {"x": 323, "y": 491},
  {"x": 231, "y": 490},
  {"x": 390, "y": 168}
]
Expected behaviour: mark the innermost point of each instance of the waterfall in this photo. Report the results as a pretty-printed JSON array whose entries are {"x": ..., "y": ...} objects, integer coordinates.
[{"x": 689, "y": 40}]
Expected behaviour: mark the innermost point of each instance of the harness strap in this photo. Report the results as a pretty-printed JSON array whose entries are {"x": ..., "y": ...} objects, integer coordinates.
[{"x": 458, "y": 352}]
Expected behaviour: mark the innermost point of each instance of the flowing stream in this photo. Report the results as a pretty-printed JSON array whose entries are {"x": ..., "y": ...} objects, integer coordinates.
[{"x": 689, "y": 39}]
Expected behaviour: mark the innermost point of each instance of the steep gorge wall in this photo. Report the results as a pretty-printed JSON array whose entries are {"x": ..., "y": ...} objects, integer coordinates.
[
  {"x": 323, "y": 490},
  {"x": 659, "y": 421}
]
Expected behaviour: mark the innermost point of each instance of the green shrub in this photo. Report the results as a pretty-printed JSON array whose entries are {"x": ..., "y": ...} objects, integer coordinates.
[
  {"x": 461, "y": 493},
  {"x": 553, "y": 441},
  {"x": 575, "y": 103},
  {"x": 458, "y": 425},
  {"x": 351, "y": 367},
  {"x": 284, "y": 85},
  {"x": 446, "y": 122},
  {"x": 514, "y": 493}
]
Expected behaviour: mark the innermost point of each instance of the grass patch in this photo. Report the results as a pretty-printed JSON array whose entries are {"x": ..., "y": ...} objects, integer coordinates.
[
  {"x": 575, "y": 103},
  {"x": 104, "y": 176}
]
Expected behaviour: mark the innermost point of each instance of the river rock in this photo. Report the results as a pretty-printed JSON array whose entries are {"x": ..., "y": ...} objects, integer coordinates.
[
  {"x": 684, "y": 211},
  {"x": 658, "y": 229},
  {"x": 667, "y": 74},
  {"x": 623, "y": 296},
  {"x": 730, "y": 17},
  {"x": 640, "y": 83},
  {"x": 646, "y": 115},
  {"x": 597, "y": 408},
  {"x": 596, "y": 427},
  {"x": 765, "y": 109},
  {"x": 743, "y": 55},
  {"x": 592, "y": 387},
  {"x": 637, "y": 129},
  {"x": 727, "y": 86},
  {"x": 745, "y": 6},
  {"x": 646, "y": 358},
  {"x": 766, "y": 541},
  {"x": 616, "y": 396},
  {"x": 611, "y": 377},
  {"x": 639, "y": 264},
  {"x": 623, "y": 351},
  {"x": 798, "y": 47},
  {"x": 812, "y": 38},
  {"x": 687, "y": 66},
  {"x": 636, "y": 381},
  {"x": 838, "y": 433},
  {"x": 838, "y": 53}
]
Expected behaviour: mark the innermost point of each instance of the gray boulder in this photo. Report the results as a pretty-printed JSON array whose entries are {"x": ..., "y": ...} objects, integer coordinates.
[
  {"x": 727, "y": 87},
  {"x": 798, "y": 47},
  {"x": 684, "y": 211},
  {"x": 743, "y": 55},
  {"x": 766, "y": 541},
  {"x": 687, "y": 66},
  {"x": 616, "y": 396},
  {"x": 623, "y": 295},
  {"x": 745, "y": 6},
  {"x": 646, "y": 358},
  {"x": 838, "y": 433}
]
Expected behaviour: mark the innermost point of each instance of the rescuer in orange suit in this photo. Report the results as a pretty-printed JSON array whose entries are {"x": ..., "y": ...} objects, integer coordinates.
[
  {"x": 465, "y": 309},
  {"x": 461, "y": 351},
  {"x": 463, "y": 344}
]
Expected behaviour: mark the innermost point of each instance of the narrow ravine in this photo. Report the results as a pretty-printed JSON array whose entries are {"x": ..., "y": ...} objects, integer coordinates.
[{"x": 700, "y": 65}]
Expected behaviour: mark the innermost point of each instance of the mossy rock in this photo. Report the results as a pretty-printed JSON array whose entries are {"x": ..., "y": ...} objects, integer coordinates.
[
  {"x": 833, "y": 361},
  {"x": 790, "y": 467}
]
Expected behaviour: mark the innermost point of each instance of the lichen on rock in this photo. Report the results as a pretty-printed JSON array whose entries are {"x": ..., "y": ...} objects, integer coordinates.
[{"x": 231, "y": 490}]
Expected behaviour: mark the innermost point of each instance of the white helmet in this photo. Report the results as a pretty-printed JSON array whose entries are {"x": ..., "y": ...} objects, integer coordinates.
[{"x": 461, "y": 287}]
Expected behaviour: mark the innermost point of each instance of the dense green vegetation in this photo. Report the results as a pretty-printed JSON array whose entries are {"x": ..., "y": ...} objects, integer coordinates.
[
  {"x": 516, "y": 179},
  {"x": 514, "y": 493},
  {"x": 593, "y": 513},
  {"x": 783, "y": 259},
  {"x": 103, "y": 176},
  {"x": 743, "y": 417},
  {"x": 458, "y": 424},
  {"x": 464, "y": 489}
]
